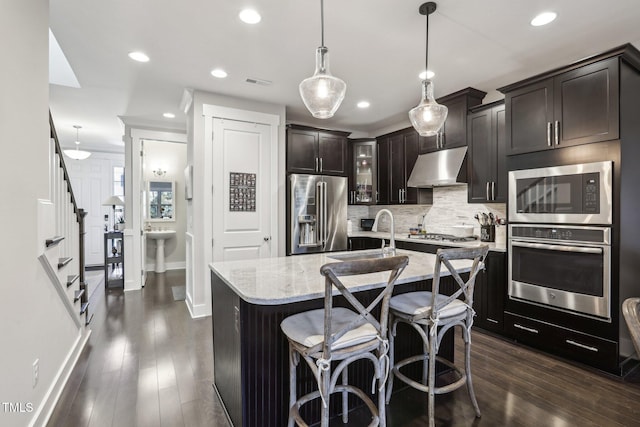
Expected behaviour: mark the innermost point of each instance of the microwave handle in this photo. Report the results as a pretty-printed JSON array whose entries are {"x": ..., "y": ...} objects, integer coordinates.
[{"x": 562, "y": 248}]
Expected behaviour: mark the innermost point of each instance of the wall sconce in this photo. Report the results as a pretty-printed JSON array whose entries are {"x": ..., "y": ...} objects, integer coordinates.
[{"x": 159, "y": 172}]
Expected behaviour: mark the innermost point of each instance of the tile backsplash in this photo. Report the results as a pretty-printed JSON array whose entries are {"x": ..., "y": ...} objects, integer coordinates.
[{"x": 449, "y": 207}]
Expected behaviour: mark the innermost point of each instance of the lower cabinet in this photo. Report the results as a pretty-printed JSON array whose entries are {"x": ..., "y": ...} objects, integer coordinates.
[
  {"x": 361, "y": 243},
  {"x": 581, "y": 347},
  {"x": 490, "y": 293}
]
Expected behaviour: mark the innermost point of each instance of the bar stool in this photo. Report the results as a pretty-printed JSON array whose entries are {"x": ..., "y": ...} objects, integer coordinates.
[
  {"x": 342, "y": 335},
  {"x": 432, "y": 314},
  {"x": 631, "y": 313}
]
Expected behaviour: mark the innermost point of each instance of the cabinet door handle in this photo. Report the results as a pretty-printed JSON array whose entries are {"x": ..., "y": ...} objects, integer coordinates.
[
  {"x": 557, "y": 132},
  {"x": 321, "y": 168},
  {"x": 577, "y": 344},
  {"x": 377, "y": 197},
  {"x": 487, "y": 190},
  {"x": 549, "y": 134},
  {"x": 317, "y": 169},
  {"x": 493, "y": 190},
  {"x": 399, "y": 195},
  {"x": 524, "y": 328},
  {"x": 492, "y": 321}
]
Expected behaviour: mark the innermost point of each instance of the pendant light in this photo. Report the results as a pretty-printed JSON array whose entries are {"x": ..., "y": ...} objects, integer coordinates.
[
  {"x": 322, "y": 93},
  {"x": 77, "y": 154},
  {"x": 428, "y": 116}
]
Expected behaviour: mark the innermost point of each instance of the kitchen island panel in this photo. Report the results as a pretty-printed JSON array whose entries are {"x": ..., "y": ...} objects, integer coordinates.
[{"x": 251, "y": 366}]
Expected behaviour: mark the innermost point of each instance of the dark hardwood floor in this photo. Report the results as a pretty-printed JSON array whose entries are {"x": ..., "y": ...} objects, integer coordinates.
[{"x": 149, "y": 364}]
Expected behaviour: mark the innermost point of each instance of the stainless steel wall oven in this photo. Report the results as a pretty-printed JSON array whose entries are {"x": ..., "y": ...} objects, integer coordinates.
[{"x": 562, "y": 267}]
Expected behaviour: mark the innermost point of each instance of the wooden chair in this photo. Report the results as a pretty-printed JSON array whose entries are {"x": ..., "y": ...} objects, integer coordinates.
[
  {"x": 432, "y": 314},
  {"x": 342, "y": 335},
  {"x": 631, "y": 313}
]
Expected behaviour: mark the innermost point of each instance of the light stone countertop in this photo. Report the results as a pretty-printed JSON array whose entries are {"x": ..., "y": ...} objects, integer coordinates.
[
  {"x": 283, "y": 280},
  {"x": 493, "y": 246}
]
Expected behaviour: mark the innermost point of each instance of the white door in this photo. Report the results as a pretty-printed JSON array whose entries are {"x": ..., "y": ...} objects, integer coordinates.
[
  {"x": 92, "y": 183},
  {"x": 244, "y": 196}
]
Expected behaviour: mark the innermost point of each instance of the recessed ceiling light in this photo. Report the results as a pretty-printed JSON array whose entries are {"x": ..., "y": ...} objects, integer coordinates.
[
  {"x": 250, "y": 16},
  {"x": 138, "y": 56},
  {"x": 363, "y": 104},
  {"x": 169, "y": 115},
  {"x": 543, "y": 19},
  {"x": 426, "y": 75},
  {"x": 219, "y": 73}
]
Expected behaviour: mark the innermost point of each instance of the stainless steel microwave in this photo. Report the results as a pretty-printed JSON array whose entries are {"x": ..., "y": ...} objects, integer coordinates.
[{"x": 570, "y": 194}]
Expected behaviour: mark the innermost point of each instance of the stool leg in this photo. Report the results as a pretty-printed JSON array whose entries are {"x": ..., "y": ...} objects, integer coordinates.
[
  {"x": 345, "y": 396},
  {"x": 432, "y": 377},
  {"x": 293, "y": 362},
  {"x": 425, "y": 361},
  {"x": 326, "y": 378},
  {"x": 392, "y": 334},
  {"x": 467, "y": 361},
  {"x": 382, "y": 415}
]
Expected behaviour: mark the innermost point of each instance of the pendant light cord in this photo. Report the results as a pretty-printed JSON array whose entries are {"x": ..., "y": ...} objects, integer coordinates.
[
  {"x": 426, "y": 56},
  {"x": 321, "y": 23}
]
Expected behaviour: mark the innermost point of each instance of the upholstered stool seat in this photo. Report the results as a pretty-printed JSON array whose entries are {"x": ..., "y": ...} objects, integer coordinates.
[
  {"x": 330, "y": 339},
  {"x": 432, "y": 314}
]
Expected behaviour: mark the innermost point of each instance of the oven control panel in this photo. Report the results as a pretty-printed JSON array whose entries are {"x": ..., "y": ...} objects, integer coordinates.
[{"x": 562, "y": 233}]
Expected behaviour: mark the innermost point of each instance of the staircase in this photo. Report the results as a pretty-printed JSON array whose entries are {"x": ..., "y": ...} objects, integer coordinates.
[{"x": 61, "y": 224}]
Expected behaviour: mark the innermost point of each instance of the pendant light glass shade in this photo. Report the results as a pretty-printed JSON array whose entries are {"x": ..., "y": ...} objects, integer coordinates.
[
  {"x": 322, "y": 93},
  {"x": 428, "y": 116},
  {"x": 77, "y": 154}
]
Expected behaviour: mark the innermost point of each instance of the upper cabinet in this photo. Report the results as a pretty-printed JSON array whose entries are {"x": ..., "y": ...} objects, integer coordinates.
[
  {"x": 316, "y": 151},
  {"x": 397, "y": 154},
  {"x": 565, "y": 107},
  {"x": 363, "y": 179},
  {"x": 454, "y": 132},
  {"x": 486, "y": 168}
]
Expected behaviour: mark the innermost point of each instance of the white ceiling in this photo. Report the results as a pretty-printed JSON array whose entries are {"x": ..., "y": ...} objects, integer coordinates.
[{"x": 376, "y": 47}]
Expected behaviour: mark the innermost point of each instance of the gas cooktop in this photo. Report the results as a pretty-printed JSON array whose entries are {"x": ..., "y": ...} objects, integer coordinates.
[{"x": 442, "y": 237}]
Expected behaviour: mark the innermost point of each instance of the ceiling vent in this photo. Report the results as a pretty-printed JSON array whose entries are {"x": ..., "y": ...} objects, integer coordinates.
[{"x": 260, "y": 82}]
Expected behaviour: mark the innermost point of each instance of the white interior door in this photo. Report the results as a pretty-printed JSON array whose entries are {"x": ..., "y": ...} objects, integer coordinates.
[{"x": 244, "y": 196}]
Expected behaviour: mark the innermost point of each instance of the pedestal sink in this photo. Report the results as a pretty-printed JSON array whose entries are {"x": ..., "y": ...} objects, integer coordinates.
[{"x": 160, "y": 236}]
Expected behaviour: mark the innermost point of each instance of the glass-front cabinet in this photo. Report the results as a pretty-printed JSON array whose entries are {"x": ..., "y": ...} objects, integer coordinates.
[{"x": 363, "y": 179}]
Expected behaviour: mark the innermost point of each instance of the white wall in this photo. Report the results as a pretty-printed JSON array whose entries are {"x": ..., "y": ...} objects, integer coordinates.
[
  {"x": 34, "y": 323},
  {"x": 198, "y": 224},
  {"x": 172, "y": 158}
]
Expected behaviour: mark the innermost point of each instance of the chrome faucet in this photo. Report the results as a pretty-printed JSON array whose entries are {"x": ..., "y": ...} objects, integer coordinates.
[{"x": 392, "y": 244}]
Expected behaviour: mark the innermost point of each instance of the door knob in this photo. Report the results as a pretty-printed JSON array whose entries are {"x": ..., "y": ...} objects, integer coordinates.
[{"x": 267, "y": 238}]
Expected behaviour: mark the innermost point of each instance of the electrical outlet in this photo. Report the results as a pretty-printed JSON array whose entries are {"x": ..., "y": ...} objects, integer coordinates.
[{"x": 36, "y": 372}]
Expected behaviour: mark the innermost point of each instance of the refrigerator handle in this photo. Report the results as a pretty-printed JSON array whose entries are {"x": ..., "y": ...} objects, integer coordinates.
[
  {"x": 325, "y": 228},
  {"x": 319, "y": 221}
]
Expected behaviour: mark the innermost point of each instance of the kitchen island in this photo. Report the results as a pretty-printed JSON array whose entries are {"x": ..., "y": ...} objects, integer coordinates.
[{"x": 249, "y": 300}]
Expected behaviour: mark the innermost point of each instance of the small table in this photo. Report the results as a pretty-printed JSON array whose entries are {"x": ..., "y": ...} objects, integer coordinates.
[{"x": 113, "y": 259}]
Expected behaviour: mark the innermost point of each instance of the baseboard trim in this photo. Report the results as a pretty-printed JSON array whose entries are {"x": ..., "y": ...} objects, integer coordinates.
[{"x": 48, "y": 404}]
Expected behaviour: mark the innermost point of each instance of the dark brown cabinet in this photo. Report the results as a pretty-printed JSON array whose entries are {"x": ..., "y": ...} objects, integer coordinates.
[
  {"x": 487, "y": 162},
  {"x": 454, "y": 131},
  {"x": 578, "y": 106},
  {"x": 490, "y": 293},
  {"x": 397, "y": 154},
  {"x": 315, "y": 151},
  {"x": 363, "y": 177}
]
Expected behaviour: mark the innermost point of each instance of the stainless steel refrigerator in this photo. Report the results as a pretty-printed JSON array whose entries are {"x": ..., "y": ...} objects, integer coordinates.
[{"x": 317, "y": 214}]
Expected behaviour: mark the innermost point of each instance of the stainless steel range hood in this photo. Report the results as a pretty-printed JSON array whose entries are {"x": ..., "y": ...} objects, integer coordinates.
[{"x": 437, "y": 169}]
